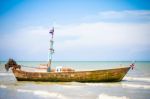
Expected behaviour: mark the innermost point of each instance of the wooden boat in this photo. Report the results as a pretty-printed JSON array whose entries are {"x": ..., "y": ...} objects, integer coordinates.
[{"x": 108, "y": 75}]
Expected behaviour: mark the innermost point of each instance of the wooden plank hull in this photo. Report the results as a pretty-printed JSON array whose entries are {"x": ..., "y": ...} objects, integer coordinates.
[{"x": 108, "y": 75}]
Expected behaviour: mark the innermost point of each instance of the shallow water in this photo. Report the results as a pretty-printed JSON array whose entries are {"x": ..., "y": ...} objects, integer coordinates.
[{"x": 135, "y": 85}]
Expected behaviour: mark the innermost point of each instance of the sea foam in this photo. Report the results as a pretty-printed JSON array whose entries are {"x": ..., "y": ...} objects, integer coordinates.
[
  {"x": 138, "y": 79},
  {"x": 102, "y": 84},
  {"x": 124, "y": 85},
  {"x": 44, "y": 94},
  {"x": 72, "y": 86},
  {"x": 106, "y": 96},
  {"x": 6, "y": 74},
  {"x": 141, "y": 86},
  {"x": 3, "y": 86}
]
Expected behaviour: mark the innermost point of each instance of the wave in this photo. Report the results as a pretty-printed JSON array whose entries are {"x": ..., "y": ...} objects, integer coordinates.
[
  {"x": 95, "y": 84},
  {"x": 3, "y": 86},
  {"x": 44, "y": 94},
  {"x": 138, "y": 79},
  {"x": 102, "y": 84},
  {"x": 124, "y": 85},
  {"x": 71, "y": 86},
  {"x": 6, "y": 74},
  {"x": 136, "y": 86},
  {"x": 106, "y": 96}
]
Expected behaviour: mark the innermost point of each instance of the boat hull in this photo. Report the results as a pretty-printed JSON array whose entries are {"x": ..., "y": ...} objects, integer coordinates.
[{"x": 108, "y": 75}]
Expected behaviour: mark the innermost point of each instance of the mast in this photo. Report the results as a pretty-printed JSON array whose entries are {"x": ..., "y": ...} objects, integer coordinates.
[{"x": 51, "y": 50}]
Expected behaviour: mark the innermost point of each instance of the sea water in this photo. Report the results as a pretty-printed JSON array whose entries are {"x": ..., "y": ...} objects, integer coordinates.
[{"x": 135, "y": 85}]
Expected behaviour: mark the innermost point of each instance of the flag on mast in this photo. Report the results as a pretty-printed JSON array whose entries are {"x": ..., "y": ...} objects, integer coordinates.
[
  {"x": 132, "y": 66},
  {"x": 52, "y": 31}
]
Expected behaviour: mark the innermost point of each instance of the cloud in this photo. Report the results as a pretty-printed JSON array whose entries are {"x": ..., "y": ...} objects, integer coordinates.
[
  {"x": 25, "y": 43},
  {"x": 104, "y": 40},
  {"x": 121, "y": 16},
  {"x": 105, "y": 34},
  {"x": 83, "y": 41}
]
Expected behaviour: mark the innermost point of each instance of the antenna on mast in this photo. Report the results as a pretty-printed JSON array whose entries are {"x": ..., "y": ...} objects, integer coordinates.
[{"x": 51, "y": 50}]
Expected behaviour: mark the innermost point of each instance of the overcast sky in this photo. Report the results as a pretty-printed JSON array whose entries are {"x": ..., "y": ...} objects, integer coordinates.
[{"x": 85, "y": 30}]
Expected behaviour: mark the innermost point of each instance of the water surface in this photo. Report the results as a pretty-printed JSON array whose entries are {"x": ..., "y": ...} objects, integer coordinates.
[{"x": 135, "y": 85}]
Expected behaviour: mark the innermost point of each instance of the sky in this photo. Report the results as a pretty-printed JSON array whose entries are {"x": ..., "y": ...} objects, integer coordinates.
[{"x": 85, "y": 30}]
